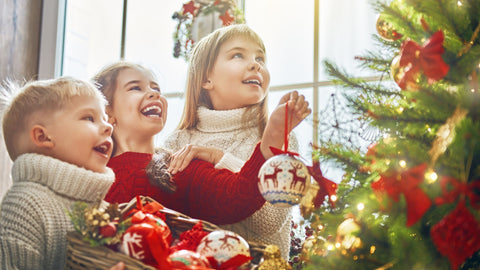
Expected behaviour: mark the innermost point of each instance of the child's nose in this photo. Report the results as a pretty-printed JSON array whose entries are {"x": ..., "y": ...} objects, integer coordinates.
[
  {"x": 254, "y": 65},
  {"x": 108, "y": 128},
  {"x": 153, "y": 94}
]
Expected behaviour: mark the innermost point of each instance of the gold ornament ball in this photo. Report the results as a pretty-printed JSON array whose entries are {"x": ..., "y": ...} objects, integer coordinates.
[
  {"x": 398, "y": 73},
  {"x": 347, "y": 233},
  {"x": 385, "y": 29},
  {"x": 313, "y": 246}
]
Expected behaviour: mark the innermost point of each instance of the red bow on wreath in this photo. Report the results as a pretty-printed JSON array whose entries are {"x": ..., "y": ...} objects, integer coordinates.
[
  {"x": 406, "y": 183},
  {"x": 427, "y": 58}
]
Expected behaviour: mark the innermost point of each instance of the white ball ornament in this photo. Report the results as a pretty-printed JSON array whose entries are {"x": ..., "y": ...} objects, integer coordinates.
[
  {"x": 284, "y": 180},
  {"x": 223, "y": 245}
]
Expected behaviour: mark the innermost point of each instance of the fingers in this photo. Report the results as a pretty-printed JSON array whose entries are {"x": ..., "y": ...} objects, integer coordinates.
[{"x": 181, "y": 159}]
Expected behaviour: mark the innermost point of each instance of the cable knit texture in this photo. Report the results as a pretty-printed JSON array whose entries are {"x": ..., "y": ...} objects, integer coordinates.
[
  {"x": 224, "y": 130},
  {"x": 33, "y": 218}
]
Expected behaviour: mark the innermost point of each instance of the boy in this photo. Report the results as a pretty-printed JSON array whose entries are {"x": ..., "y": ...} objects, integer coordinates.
[{"x": 57, "y": 134}]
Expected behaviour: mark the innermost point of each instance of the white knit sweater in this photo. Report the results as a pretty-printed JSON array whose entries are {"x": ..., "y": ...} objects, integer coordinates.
[
  {"x": 223, "y": 130},
  {"x": 33, "y": 218}
]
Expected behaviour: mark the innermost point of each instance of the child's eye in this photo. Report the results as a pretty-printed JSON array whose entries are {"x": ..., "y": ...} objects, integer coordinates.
[
  {"x": 156, "y": 88},
  {"x": 260, "y": 59},
  {"x": 137, "y": 88},
  {"x": 88, "y": 118},
  {"x": 238, "y": 55}
]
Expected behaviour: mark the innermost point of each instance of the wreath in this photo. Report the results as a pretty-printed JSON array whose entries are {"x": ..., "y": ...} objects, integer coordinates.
[{"x": 189, "y": 13}]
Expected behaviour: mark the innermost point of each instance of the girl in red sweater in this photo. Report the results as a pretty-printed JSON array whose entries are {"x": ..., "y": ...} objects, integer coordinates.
[{"x": 138, "y": 112}]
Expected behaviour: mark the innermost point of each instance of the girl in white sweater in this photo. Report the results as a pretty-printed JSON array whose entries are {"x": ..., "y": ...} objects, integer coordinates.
[{"x": 224, "y": 117}]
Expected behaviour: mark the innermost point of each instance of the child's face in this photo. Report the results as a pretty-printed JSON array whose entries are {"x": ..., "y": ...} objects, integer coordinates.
[
  {"x": 81, "y": 134},
  {"x": 139, "y": 109},
  {"x": 239, "y": 77}
]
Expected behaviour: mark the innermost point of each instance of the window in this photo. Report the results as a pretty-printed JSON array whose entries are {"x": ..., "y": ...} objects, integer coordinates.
[{"x": 93, "y": 31}]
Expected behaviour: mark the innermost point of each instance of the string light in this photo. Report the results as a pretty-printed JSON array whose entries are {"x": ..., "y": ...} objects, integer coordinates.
[
  {"x": 459, "y": 3},
  {"x": 472, "y": 90},
  {"x": 372, "y": 249},
  {"x": 330, "y": 247},
  {"x": 333, "y": 198},
  {"x": 360, "y": 206},
  {"x": 338, "y": 245},
  {"x": 400, "y": 109},
  {"x": 402, "y": 163},
  {"x": 431, "y": 176}
]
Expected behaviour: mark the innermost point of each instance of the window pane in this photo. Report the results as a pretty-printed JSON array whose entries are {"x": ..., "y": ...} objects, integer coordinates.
[
  {"x": 92, "y": 36},
  {"x": 286, "y": 28},
  {"x": 149, "y": 41},
  {"x": 346, "y": 29}
]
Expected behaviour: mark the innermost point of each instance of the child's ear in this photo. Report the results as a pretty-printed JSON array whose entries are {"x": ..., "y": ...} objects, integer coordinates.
[
  {"x": 207, "y": 85},
  {"x": 39, "y": 136},
  {"x": 111, "y": 119}
]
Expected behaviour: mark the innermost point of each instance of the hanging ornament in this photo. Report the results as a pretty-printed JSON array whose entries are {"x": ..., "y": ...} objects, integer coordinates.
[
  {"x": 313, "y": 245},
  {"x": 272, "y": 260},
  {"x": 398, "y": 72},
  {"x": 284, "y": 180},
  {"x": 457, "y": 235},
  {"x": 347, "y": 233},
  {"x": 386, "y": 30}
]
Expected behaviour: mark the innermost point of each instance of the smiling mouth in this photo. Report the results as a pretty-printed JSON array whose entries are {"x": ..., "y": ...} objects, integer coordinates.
[
  {"x": 103, "y": 148},
  {"x": 152, "y": 111},
  {"x": 256, "y": 82}
]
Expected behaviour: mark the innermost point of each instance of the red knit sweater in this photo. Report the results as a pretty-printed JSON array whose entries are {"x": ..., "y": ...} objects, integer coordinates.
[{"x": 203, "y": 192}]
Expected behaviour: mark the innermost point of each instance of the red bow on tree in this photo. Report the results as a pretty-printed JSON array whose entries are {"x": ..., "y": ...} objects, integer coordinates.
[
  {"x": 458, "y": 189},
  {"x": 406, "y": 183},
  {"x": 427, "y": 58},
  {"x": 327, "y": 187}
]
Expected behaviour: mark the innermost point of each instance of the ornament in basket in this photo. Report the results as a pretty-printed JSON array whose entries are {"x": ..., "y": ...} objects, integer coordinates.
[{"x": 145, "y": 238}]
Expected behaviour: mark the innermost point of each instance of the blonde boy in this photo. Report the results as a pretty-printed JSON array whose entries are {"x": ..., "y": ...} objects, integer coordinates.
[{"x": 57, "y": 135}]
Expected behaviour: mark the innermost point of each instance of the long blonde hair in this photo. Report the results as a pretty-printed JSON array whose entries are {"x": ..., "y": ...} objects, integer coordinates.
[{"x": 201, "y": 63}]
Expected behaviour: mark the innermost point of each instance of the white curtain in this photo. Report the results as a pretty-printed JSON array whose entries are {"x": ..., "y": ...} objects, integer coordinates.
[{"x": 5, "y": 168}]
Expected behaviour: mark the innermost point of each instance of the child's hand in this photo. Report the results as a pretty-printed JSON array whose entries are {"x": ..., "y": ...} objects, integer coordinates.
[
  {"x": 273, "y": 135},
  {"x": 184, "y": 156},
  {"x": 118, "y": 266}
]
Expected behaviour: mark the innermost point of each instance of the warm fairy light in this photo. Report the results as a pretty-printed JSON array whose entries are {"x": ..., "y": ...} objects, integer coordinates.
[
  {"x": 431, "y": 176},
  {"x": 387, "y": 162},
  {"x": 400, "y": 110},
  {"x": 360, "y": 206},
  {"x": 372, "y": 249},
  {"x": 459, "y": 3},
  {"x": 338, "y": 245},
  {"x": 330, "y": 247},
  {"x": 472, "y": 90},
  {"x": 355, "y": 257},
  {"x": 320, "y": 228},
  {"x": 333, "y": 198},
  {"x": 402, "y": 163}
]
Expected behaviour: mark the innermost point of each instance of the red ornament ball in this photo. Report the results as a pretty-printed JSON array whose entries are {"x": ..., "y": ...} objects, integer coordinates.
[{"x": 182, "y": 258}]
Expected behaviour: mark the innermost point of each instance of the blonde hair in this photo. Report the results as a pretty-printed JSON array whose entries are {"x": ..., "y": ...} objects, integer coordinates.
[
  {"x": 46, "y": 96},
  {"x": 106, "y": 79},
  {"x": 201, "y": 63}
]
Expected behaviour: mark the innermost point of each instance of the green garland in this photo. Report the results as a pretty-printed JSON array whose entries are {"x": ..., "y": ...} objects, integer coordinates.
[{"x": 186, "y": 16}]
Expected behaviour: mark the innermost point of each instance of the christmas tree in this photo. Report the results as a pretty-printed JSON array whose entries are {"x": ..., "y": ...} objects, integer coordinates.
[{"x": 409, "y": 145}]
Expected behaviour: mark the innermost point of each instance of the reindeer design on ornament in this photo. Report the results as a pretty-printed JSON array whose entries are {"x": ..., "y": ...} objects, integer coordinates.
[
  {"x": 290, "y": 180},
  {"x": 273, "y": 176}
]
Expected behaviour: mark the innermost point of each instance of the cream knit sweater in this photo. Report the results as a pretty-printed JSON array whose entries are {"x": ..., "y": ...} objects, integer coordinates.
[
  {"x": 223, "y": 130},
  {"x": 33, "y": 218}
]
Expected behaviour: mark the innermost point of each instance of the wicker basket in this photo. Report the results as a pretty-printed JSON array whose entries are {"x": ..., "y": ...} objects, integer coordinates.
[{"x": 81, "y": 256}]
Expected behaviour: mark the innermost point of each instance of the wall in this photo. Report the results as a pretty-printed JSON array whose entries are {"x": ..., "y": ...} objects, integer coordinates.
[{"x": 20, "y": 22}]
